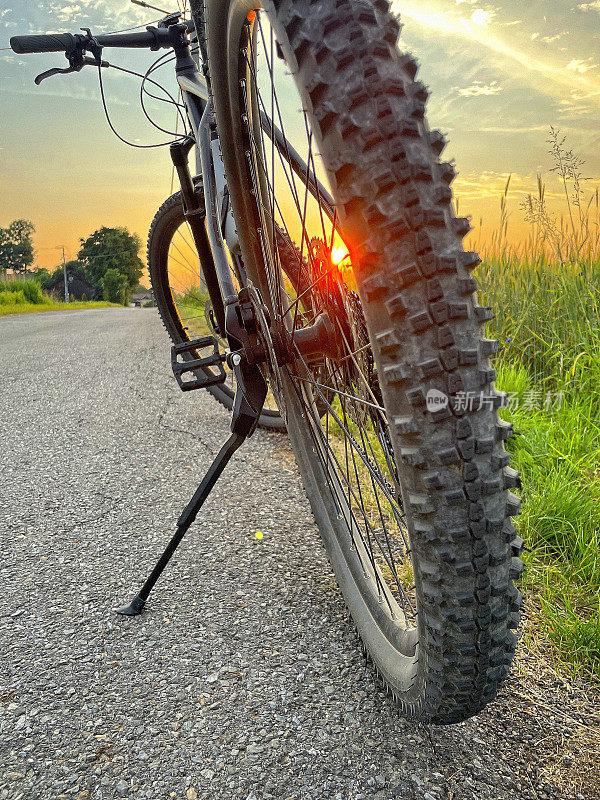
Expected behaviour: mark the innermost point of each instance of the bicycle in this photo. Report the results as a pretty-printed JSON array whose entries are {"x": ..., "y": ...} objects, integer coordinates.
[{"x": 340, "y": 278}]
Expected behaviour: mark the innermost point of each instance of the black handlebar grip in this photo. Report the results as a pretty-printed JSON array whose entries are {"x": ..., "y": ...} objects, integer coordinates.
[{"x": 44, "y": 43}]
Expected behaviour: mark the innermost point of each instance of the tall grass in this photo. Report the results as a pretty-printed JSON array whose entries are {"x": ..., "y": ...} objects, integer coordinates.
[
  {"x": 25, "y": 296},
  {"x": 193, "y": 297},
  {"x": 548, "y": 323},
  {"x": 191, "y": 307},
  {"x": 546, "y": 297},
  {"x": 547, "y": 317},
  {"x": 22, "y": 290}
]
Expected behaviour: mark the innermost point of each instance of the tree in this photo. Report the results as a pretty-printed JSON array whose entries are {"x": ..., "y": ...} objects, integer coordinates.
[
  {"x": 77, "y": 283},
  {"x": 16, "y": 246},
  {"x": 110, "y": 249},
  {"x": 75, "y": 269},
  {"x": 114, "y": 287},
  {"x": 43, "y": 276},
  {"x": 55, "y": 281}
]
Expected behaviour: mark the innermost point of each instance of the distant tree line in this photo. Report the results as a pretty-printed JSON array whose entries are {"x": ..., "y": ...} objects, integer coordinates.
[{"x": 107, "y": 262}]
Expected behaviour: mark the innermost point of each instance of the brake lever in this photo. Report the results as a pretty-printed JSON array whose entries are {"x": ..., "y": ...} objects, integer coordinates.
[
  {"x": 92, "y": 62},
  {"x": 50, "y": 72},
  {"x": 76, "y": 58}
]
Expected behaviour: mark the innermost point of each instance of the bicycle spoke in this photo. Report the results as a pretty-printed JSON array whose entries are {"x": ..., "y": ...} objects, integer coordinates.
[{"x": 340, "y": 398}]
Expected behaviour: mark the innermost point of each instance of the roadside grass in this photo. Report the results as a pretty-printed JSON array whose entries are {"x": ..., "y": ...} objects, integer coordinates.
[
  {"x": 548, "y": 323},
  {"x": 32, "y": 308},
  {"x": 22, "y": 290},
  {"x": 25, "y": 296},
  {"x": 191, "y": 304},
  {"x": 191, "y": 308}
]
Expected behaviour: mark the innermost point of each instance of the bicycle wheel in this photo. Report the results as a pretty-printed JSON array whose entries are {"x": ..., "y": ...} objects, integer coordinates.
[
  {"x": 182, "y": 295},
  {"x": 408, "y": 485}
]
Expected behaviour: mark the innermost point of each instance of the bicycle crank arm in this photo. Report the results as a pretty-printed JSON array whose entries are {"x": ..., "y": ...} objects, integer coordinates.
[{"x": 250, "y": 396}]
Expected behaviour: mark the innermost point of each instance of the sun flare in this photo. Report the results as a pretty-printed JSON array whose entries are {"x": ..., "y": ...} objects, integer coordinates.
[{"x": 339, "y": 254}]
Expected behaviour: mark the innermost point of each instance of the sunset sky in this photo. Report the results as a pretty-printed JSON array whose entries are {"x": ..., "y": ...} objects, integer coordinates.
[{"x": 500, "y": 74}]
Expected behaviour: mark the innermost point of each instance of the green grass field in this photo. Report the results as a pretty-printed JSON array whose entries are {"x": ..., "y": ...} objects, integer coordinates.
[{"x": 548, "y": 324}]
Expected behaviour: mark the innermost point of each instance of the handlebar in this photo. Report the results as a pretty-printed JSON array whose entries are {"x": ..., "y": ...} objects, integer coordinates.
[
  {"x": 152, "y": 38},
  {"x": 50, "y": 43},
  {"x": 140, "y": 39}
]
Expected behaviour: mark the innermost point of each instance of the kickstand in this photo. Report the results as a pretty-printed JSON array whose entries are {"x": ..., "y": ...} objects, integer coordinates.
[{"x": 250, "y": 396}]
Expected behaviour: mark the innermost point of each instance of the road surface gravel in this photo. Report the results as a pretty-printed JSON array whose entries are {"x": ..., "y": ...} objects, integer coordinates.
[{"x": 243, "y": 678}]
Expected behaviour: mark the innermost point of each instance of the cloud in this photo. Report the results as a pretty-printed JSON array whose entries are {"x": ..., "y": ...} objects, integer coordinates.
[
  {"x": 578, "y": 65},
  {"x": 515, "y": 129},
  {"x": 595, "y": 6},
  {"x": 580, "y": 103},
  {"x": 103, "y": 14},
  {"x": 555, "y": 37},
  {"x": 479, "y": 185},
  {"x": 478, "y": 89},
  {"x": 482, "y": 17},
  {"x": 67, "y": 12},
  {"x": 515, "y": 59},
  {"x": 484, "y": 185},
  {"x": 74, "y": 92}
]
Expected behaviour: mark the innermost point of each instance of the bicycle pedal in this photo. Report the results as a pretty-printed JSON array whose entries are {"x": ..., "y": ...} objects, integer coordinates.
[{"x": 203, "y": 368}]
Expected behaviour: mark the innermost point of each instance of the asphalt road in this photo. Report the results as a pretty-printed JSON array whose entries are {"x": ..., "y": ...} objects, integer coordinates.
[{"x": 243, "y": 679}]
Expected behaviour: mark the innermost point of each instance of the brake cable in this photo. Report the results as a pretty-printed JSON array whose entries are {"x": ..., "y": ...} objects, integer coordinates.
[
  {"x": 108, "y": 119},
  {"x": 75, "y": 54}
]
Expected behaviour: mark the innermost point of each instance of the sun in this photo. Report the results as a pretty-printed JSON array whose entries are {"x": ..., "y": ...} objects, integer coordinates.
[{"x": 339, "y": 254}]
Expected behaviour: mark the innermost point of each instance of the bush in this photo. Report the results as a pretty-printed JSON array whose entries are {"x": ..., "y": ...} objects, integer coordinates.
[
  {"x": 9, "y": 297},
  {"x": 31, "y": 290},
  {"x": 44, "y": 277}
]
